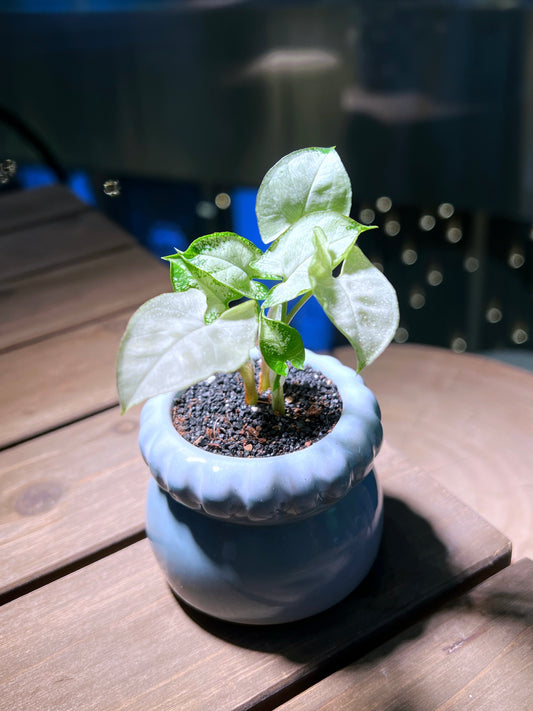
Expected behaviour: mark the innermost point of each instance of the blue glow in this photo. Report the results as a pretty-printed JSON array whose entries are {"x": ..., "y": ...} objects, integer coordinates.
[
  {"x": 315, "y": 328},
  {"x": 80, "y": 184},
  {"x": 82, "y": 6},
  {"x": 35, "y": 176},
  {"x": 165, "y": 237},
  {"x": 243, "y": 215}
]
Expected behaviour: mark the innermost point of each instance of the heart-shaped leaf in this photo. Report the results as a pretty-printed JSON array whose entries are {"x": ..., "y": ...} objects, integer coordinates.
[
  {"x": 360, "y": 302},
  {"x": 167, "y": 345},
  {"x": 185, "y": 275},
  {"x": 279, "y": 343},
  {"x": 227, "y": 258},
  {"x": 302, "y": 182},
  {"x": 290, "y": 256}
]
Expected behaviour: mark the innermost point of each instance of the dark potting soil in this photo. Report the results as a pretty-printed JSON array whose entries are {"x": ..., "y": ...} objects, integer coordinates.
[{"x": 213, "y": 415}]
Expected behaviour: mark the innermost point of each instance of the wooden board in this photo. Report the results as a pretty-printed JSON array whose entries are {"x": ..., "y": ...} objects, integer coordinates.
[
  {"x": 55, "y": 381},
  {"x": 73, "y": 295},
  {"x": 465, "y": 420},
  {"x": 63, "y": 241},
  {"x": 475, "y": 655},
  {"x": 59, "y": 503},
  {"x": 23, "y": 208},
  {"x": 66, "y": 495},
  {"x": 111, "y": 634}
]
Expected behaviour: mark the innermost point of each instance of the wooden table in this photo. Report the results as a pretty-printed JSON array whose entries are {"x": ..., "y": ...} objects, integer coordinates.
[
  {"x": 87, "y": 619},
  {"x": 468, "y": 422}
]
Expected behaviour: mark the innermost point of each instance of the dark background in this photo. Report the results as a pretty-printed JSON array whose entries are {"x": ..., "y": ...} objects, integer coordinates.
[{"x": 430, "y": 104}]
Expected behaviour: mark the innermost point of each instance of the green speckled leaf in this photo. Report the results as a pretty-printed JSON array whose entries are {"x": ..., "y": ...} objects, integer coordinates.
[
  {"x": 227, "y": 258},
  {"x": 185, "y": 275},
  {"x": 280, "y": 343}
]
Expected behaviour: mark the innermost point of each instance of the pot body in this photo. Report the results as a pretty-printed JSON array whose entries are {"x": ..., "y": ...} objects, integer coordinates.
[
  {"x": 267, "y": 540},
  {"x": 261, "y": 574}
]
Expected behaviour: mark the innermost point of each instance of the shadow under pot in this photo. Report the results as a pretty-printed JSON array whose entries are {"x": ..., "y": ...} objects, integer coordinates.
[{"x": 265, "y": 540}]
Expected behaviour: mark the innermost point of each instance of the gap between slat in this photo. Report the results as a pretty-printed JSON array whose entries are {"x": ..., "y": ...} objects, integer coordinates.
[
  {"x": 70, "y": 329},
  {"x": 366, "y": 645},
  {"x": 10, "y": 282},
  {"x": 66, "y": 205},
  {"x": 62, "y": 571},
  {"x": 58, "y": 426}
]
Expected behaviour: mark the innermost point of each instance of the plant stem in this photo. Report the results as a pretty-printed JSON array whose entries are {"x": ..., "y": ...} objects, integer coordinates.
[
  {"x": 297, "y": 306},
  {"x": 279, "y": 313},
  {"x": 264, "y": 376},
  {"x": 247, "y": 372},
  {"x": 278, "y": 400}
]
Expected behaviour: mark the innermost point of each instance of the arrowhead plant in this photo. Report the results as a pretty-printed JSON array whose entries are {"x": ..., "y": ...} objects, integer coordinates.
[{"x": 221, "y": 308}]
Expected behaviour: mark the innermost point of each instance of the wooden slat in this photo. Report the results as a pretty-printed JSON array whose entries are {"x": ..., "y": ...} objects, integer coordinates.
[
  {"x": 69, "y": 296},
  {"x": 58, "y": 496},
  {"x": 111, "y": 635},
  {"x": 475, "y": 655},
  {"x": 55, "y": 381},
  {"x": 68, "y": 494},
  {"x": 22, "y": 208},
  {"x": 467, "y": 421},
  {"x": 63, "y": 241}
]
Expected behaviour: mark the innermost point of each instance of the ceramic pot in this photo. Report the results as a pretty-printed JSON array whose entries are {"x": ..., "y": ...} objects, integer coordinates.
[{"x": 267, "y": 539}]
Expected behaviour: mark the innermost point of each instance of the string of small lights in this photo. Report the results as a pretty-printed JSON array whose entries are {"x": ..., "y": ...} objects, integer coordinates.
[{"x": 449, "y": 276}]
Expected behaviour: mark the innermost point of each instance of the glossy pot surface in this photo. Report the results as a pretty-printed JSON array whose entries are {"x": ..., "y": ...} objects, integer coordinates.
[{"x": 272, "y": 539}]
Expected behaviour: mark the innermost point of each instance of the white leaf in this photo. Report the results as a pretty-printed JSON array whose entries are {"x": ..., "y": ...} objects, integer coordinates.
[
  {"x": 302, "y": 182},
  {"x": 167, "y": 345},
  {"x": 290, "y": 256},
  {"x": 360, "y": 302}
]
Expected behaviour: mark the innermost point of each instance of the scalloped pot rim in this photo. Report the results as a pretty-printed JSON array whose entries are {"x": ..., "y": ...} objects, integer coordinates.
[{"x": 267, "y": 490}]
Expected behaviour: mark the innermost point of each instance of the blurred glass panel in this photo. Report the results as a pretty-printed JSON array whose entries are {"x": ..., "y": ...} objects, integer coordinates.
[{"x": 426, "y": 101}]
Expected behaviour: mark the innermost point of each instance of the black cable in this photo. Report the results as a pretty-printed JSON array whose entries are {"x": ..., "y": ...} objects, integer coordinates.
[{"x": 9, "y": 118}]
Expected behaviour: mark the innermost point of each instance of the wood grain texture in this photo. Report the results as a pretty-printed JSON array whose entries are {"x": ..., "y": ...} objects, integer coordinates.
[
  {"x": 474, "y": 655},
  {"x": 62, "y": 241},
  {"x": 68, "y": 494},
  {"x": 111, "y": 635},
  {"x": 55, "y": 381},
  {"x": 70, "y": 296},
  {"x": 468, "y": 422},
  {"x": 22, "y": 208}
]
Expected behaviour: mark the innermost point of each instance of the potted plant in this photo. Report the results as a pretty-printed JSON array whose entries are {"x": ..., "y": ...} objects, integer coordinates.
[{"x": 263, "y": 506}]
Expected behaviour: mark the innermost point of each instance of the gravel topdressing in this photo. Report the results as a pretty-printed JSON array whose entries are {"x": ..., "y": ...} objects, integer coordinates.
[{"x": 214, "y": 416}]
